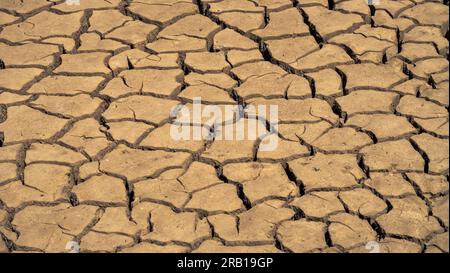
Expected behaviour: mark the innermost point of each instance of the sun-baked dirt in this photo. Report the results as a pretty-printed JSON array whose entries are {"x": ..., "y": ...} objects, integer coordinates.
[{"x": 86, "y": 156}]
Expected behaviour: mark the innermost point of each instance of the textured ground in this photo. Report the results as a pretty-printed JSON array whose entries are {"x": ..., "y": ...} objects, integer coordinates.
[{"x": 85, "y": 98}]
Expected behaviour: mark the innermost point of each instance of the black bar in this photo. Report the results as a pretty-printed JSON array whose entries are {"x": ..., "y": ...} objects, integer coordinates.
[{"x": 227, "y": 262}]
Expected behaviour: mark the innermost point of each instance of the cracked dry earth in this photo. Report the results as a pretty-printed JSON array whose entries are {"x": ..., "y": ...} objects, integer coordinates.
[{"x": 86, "y": 155}]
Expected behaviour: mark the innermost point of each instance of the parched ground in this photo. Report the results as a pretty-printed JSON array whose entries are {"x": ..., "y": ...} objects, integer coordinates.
[{"x": 86, "y": 93}]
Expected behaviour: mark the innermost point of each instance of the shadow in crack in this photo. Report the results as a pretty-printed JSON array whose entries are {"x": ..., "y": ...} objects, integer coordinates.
[{"x": 3, "y": 115}]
